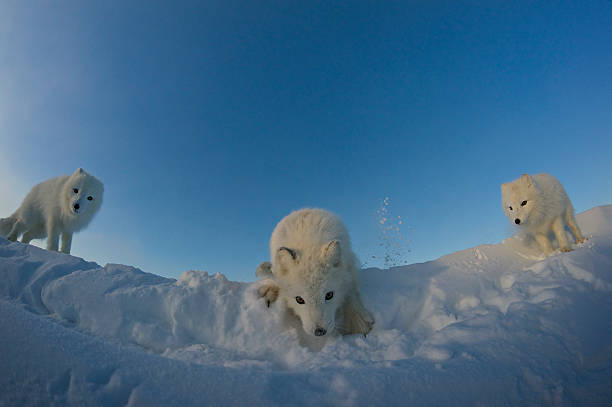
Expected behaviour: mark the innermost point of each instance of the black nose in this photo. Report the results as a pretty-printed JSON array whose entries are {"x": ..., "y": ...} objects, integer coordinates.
[
  {"x": 77, "y": 206},
  {"x": 517, "y": 221},
  {"x": 320, "y": 331}
]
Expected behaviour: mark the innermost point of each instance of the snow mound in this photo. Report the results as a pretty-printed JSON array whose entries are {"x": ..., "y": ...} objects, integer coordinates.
[{"x": 495, "y": 324}]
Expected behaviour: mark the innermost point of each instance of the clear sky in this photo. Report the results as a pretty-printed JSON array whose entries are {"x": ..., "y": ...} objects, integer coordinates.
[{"x": 209, "y": 121}]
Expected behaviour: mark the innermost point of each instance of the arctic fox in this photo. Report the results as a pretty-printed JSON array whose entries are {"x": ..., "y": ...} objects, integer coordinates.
[
  {"x": 61, "y": 205},
  {"x": 313, "y": 272},
  {"x": 538, "y": 204}
]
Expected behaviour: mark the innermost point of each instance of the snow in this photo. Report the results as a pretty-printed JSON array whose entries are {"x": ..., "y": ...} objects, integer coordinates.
[{"x": 492, "y": 325}]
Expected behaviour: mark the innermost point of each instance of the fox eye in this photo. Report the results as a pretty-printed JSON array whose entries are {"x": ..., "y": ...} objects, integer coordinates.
[
  {"x": 329, "y": 295},
  {"x": 90, "y": 198},
  {"x": 75, "y": 190},
  {"x": 523, "y": 203},
  {"x": 510, "y": 207},
  {"x": 299, "y": 300}
]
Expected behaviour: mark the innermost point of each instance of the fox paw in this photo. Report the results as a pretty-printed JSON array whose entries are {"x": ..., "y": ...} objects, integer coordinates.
[
  {"x": 566, "y": 249},
  {"x": 581, "y": 240},
  {"x": 264, "y": 270},
  {"x": 269, "y": 292},
  {"x": 369, "y": 324}
]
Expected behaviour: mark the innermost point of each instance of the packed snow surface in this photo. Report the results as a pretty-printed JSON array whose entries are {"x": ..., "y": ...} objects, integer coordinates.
[{"x": 492, "y": 325}]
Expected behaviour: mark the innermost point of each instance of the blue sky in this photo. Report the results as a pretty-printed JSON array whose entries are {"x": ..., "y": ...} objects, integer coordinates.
[{"x": 210, "y": 121}]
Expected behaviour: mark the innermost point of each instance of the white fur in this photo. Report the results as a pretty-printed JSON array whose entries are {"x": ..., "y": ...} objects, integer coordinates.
[
  {"x": 52, "y": 208},
  {"x": 547, "y": 209},
  {"x": 324, "y": 263}
]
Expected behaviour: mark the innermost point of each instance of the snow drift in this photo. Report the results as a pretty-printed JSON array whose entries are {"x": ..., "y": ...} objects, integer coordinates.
[{"x": 491, "y": 325}]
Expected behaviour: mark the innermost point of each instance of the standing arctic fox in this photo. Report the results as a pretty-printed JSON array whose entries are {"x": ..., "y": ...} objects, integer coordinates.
[
  {"x": 538, "y": 204},
  {"x": 61, "y": 205},
  {"x": 313, "y": 272}
]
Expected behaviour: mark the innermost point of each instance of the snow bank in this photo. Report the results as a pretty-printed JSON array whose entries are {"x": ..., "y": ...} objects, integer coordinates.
[{"x": 492, "y": 325}]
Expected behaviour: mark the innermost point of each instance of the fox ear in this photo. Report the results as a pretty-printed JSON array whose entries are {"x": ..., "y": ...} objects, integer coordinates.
[
  {"x": 526, "y": 178},
  {"x": 331, "y": 253},
  {"x": 285, "y": 257},
  {"x": 504, "y": 187},
  {"x": 79, "y": 171}
]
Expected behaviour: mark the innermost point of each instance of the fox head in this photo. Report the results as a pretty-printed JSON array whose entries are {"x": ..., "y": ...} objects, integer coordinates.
[
  {"x": 82, "y": 194},
  {"x": 518, "y": 199},
  {"x": 314, "y": 285}
]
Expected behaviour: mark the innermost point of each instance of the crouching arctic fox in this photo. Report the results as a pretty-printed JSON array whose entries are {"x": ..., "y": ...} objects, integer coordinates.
[
  {"x": 539, "y": 205},
  {"x": 61, "y": 205},
  {"x": 313, "y": 273}
]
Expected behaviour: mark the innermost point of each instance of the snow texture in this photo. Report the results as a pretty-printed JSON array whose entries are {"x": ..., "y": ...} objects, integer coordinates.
[{"x": 492, "y": 325}]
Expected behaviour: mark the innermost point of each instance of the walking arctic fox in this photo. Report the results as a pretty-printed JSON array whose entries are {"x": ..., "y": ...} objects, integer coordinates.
[
  {"x": 61, "y": 205},
  {"x": 313, "y": 272},
  {"x": 538, "y": 204}
]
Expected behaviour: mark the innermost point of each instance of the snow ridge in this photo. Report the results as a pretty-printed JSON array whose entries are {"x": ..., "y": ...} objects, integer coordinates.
[{"x": 495, "y": 324}]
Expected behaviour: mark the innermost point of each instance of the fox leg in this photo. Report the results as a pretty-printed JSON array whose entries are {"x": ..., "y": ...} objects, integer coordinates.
[
  {"x": 354, "y": 317},
  {"x": 544, "y": 243},
  {"x": 66, "y": 242},
  {"x": 18, "y": 228},
  {"x": 52, "y": 236},
  {"x": 571, "y": 222},
  {"x": 558, "y": 228},
  {"x": 27, "y": 237},
  {"x": 6, "y": 225}
]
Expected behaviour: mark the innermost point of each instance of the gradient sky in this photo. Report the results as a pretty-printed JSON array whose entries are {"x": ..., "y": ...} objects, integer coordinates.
[{"x": 210, "y": 121}]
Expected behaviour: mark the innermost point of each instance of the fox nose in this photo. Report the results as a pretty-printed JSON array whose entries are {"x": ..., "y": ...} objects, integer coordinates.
[
  {"x": 517, "y": 221},
  {"x": 320, "y": 331},
  {"x": 77, "y": 206}
]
